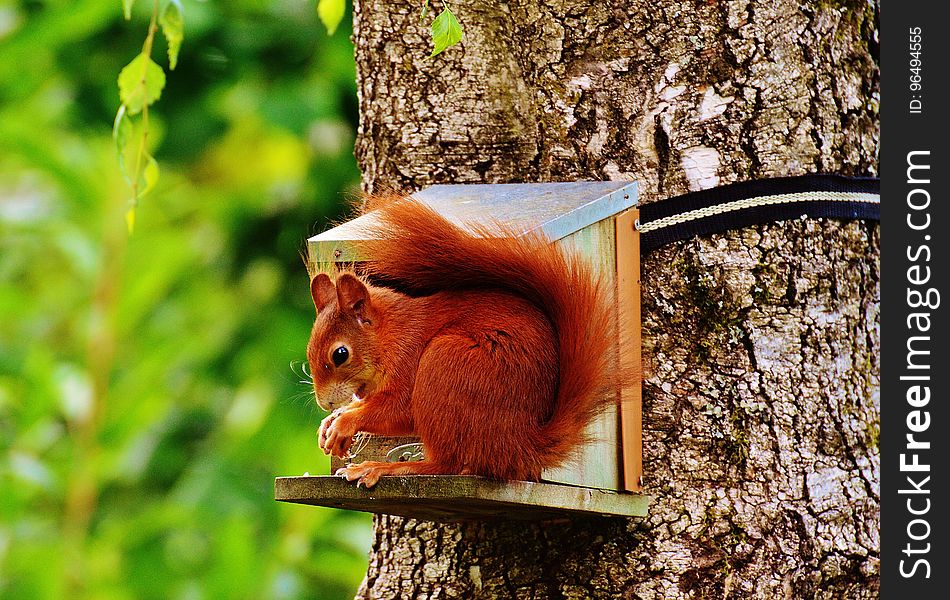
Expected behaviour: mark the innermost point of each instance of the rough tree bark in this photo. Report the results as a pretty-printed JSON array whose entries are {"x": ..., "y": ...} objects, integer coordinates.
[{"x": 761, "y": 408}]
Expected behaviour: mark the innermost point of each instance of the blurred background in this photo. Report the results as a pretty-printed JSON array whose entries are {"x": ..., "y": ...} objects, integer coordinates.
[{"x": 150, "y": 385}]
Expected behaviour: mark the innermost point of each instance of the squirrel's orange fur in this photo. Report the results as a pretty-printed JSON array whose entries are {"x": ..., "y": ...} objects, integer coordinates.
[{"x": 497, "y": 350}]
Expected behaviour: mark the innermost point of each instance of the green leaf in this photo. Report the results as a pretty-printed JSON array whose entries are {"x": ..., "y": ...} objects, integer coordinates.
[
  {"x": 130, "y": 219},
  {"x": 149, "y": 176},
  {"x": 127, "y": 8},
  {"x": 140, "y": 83},
  {"x": 121, "y": 132},
  {"x": 148, "y": 179},
  {"x": 331, "y": 13},
  {"x": 173, "y": 26},
  {"x": 425, "y": 10},
  {"x": 446, "y": 31}
]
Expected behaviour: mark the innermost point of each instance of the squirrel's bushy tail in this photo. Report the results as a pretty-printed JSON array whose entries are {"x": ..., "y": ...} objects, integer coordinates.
[{"x": 418, "y": 251}]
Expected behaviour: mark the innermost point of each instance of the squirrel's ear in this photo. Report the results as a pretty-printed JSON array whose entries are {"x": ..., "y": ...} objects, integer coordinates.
[
  {"x": 353, "y": 296},
  {"x": 322, "y": 290}
]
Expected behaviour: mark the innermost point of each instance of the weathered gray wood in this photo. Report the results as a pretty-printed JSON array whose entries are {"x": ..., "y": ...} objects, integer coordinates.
[
  {"x": 371, "y": 447},
  {"x": 557, "y": 210},
  {"x": 450, "y": 498},
  {"x": 597, "y": 464}
]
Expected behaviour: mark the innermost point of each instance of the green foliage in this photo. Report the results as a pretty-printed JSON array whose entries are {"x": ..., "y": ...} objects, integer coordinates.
[
  {"x": 121, "y": 134},
  {"x": 172, "y": 22},
  {"x": 147, "y": 397},
  {"x": 140, "y": 84},
  {"x": 331, "y": 13},
  {"x": 446, "y": 31}
]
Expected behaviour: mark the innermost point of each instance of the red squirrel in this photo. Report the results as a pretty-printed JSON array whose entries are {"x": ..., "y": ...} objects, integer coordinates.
[{"x": 497, "y": 351}]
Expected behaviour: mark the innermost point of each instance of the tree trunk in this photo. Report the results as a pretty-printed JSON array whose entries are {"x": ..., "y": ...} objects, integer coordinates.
[{"x": 761, "y": 407}]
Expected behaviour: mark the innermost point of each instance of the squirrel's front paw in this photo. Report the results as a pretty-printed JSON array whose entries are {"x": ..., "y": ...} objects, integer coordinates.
[
  {"x": 324, "y": 425},
  {"x": 366, "y": 474},
  {"x": 336, "y": 433}
]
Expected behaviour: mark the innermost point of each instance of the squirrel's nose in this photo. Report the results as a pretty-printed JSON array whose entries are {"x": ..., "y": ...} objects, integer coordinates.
[{"x": 322, "y": 400}]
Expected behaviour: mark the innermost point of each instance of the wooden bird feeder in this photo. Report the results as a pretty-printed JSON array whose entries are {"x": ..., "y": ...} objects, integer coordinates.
[{"x": 595, "y": 219}]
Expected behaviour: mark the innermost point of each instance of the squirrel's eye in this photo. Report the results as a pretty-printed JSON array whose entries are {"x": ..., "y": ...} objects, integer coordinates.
[{"x": 340, "y": 355}]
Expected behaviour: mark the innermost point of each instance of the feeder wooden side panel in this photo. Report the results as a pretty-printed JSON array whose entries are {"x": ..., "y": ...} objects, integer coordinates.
[
  {"x": 327, "y": 257},
  {"x": 597, "y": 464},
  {"x": 628, "y": 303}
]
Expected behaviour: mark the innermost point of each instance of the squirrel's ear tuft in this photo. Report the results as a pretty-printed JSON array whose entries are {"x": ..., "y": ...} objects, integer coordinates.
[
  {"x": 322, "y": 290},
  {"x": 353, "y": 296}
]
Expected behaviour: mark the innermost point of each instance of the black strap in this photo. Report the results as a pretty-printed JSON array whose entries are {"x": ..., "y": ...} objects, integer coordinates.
[{"x": 756, "y": 202}]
